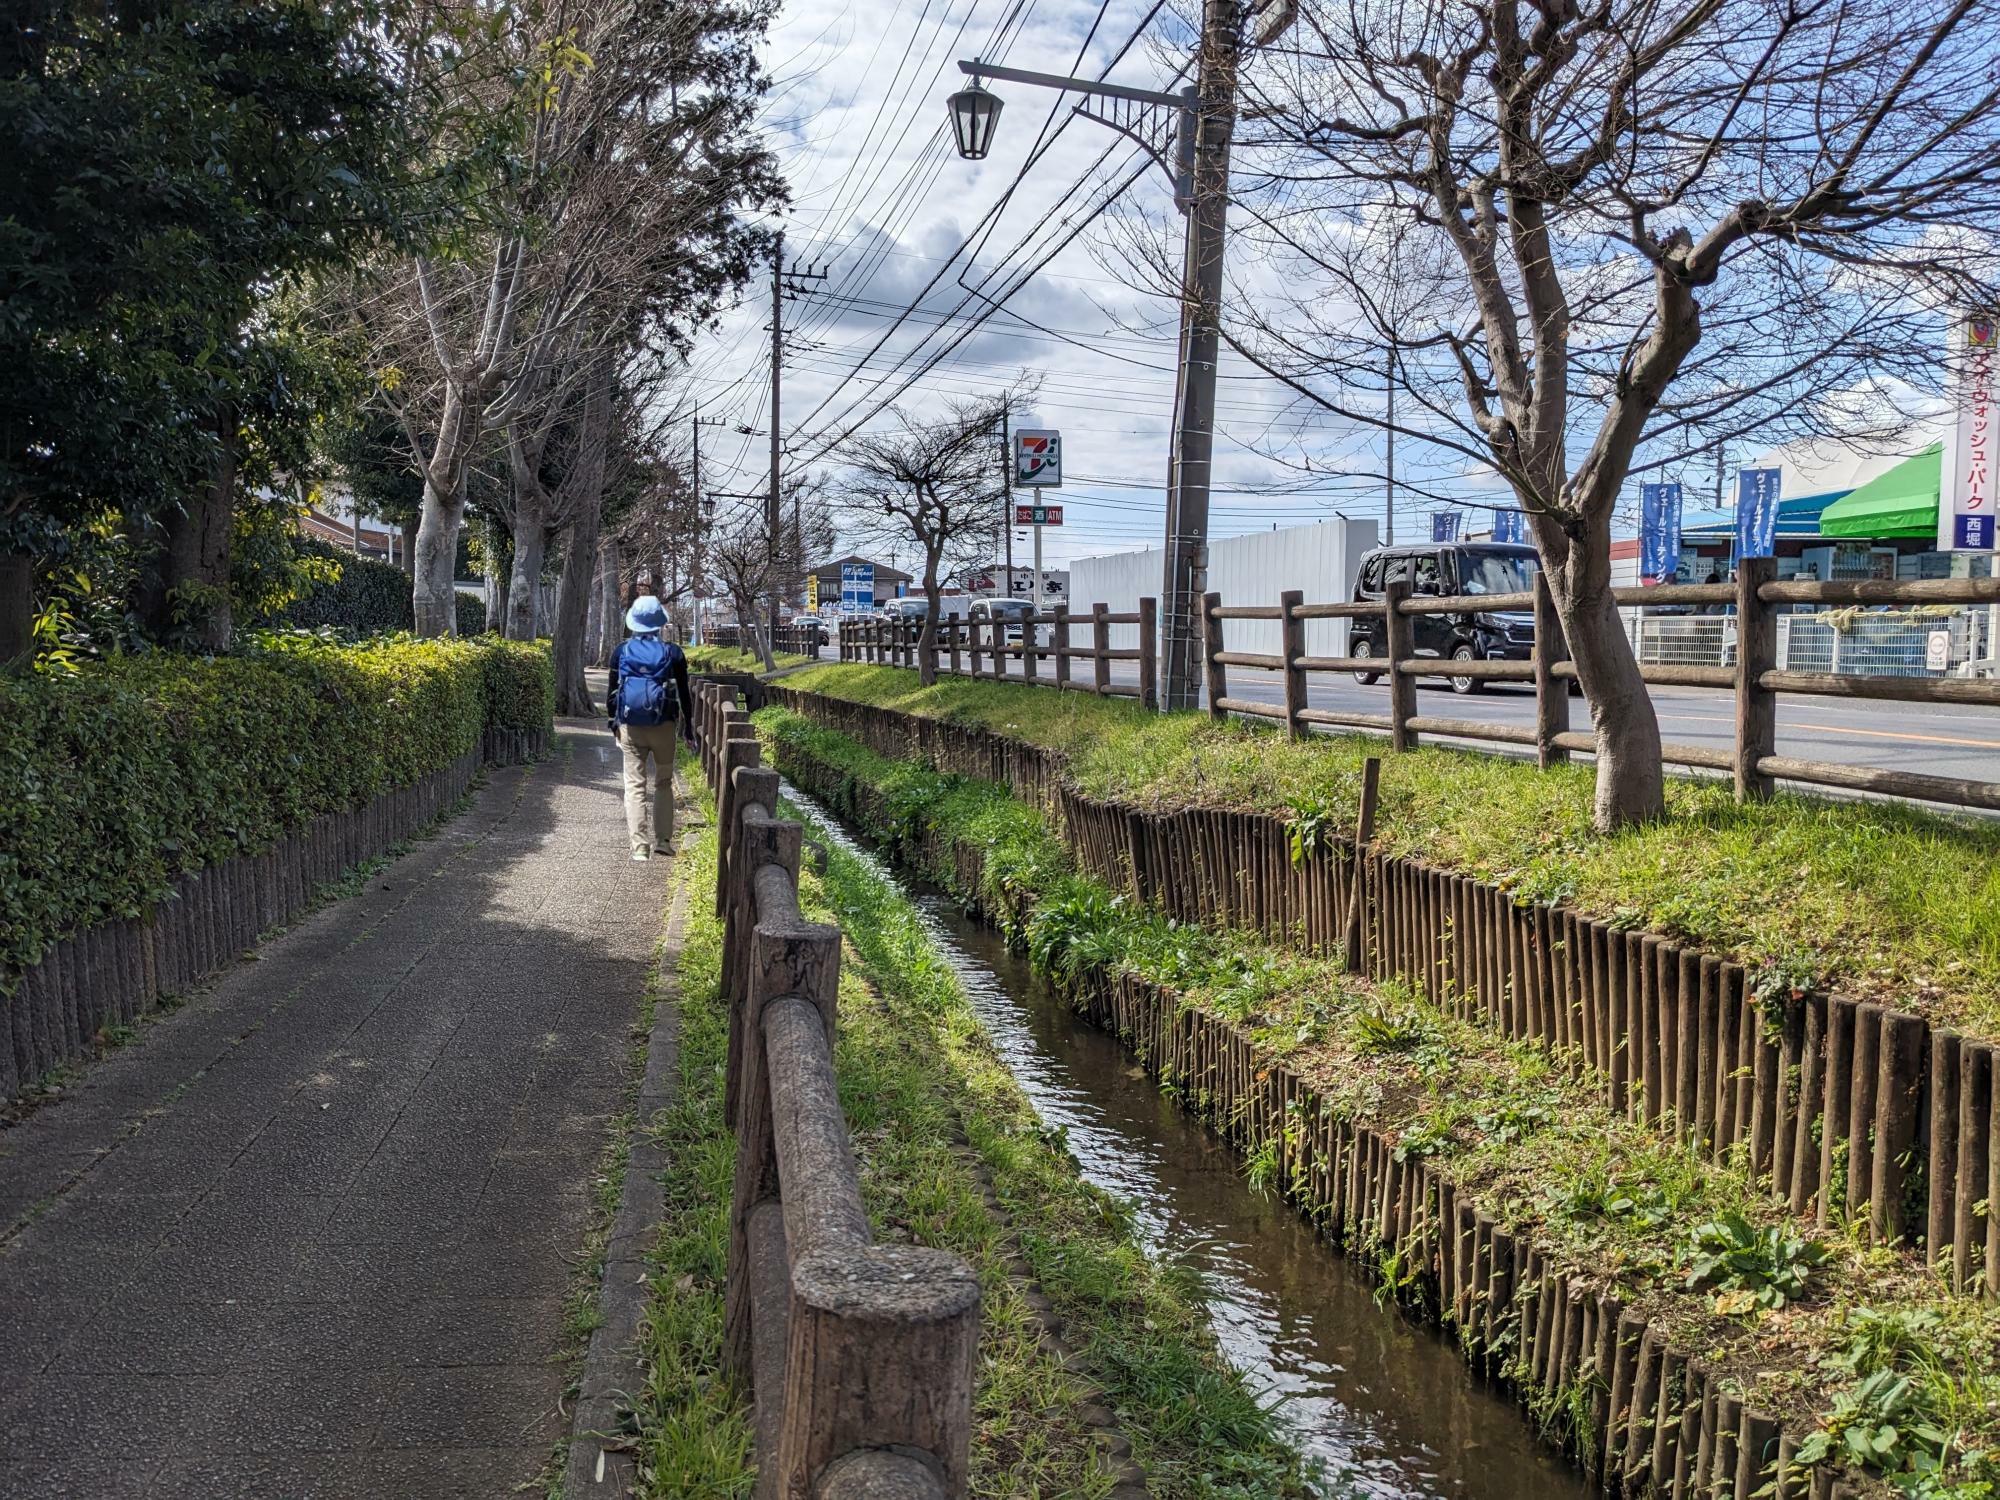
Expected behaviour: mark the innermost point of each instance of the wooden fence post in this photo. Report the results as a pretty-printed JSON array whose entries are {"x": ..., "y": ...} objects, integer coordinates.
[
  {"x": 953, "y": 627},
  {"x": 972, "y": 644},
  {"x": 1364, "y": 830},
  {"x": 1551, "y": 692},
  {"x": 1062, "y": 644},
  {"x": 1100, "y": 642},
  {"x": 1292, "y": 646},
  {"x": 1149, "y": 651},
  {"x": 1756, "y": 654},
  {"x": 1400, "y": 648},
  {"x": 1215, "y": 675},
  {"x": 1030, "y": 648}
]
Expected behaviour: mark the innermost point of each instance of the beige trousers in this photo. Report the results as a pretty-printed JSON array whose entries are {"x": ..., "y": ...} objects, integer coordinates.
[{"x": 649, "y": 799}]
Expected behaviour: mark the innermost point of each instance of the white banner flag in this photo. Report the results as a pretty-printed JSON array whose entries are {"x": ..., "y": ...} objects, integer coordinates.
[{"x": 1965, "y": 488}]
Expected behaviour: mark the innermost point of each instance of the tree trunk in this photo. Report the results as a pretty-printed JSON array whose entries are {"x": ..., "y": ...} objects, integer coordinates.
[
  {"x": 608, "y": 608},
  {"x": 502, "y": 573},
  {"x": 17, "y": 608},
  {"x": 409, "y": 547},
  {"x": 530, "y": 544},
  {"x": 195, "y": 604},
  {"x": 583, "y": 494},
  {"x": 1631, "y": 782},
  {"x": 432, "y": 560},
  {"x": 927, "y": 642}
]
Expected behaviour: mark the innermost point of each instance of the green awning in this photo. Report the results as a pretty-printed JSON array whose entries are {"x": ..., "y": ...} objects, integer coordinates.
[{"x": 1901, "y": 502}]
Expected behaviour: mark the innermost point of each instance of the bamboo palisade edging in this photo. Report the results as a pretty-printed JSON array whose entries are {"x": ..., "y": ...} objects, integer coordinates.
[
  {"x": 1853, "y": 1111},
  {"x": 112, "y": 973},
  {"x": 1659, "y": 1422},
  {"x": 860, "y": 1356},
  {"x": 981, "y": 648}
]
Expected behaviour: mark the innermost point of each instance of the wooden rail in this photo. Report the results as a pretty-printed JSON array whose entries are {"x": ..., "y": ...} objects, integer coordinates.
[
  {"x": 860, "y": 1356},
  {"x": 1752, "y": 761},
  {"x": 979, "y": 648}
]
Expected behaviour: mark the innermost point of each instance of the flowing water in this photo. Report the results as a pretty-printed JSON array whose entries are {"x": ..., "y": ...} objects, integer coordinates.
[{"x": 1391, "y": 1408}]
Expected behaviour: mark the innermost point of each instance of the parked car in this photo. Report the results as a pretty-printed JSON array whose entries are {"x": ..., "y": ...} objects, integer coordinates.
[
  {"x": 813, "y": 627},
  {"x": 1012, "y": 615},
  {"x": 1443, "y": 568}
]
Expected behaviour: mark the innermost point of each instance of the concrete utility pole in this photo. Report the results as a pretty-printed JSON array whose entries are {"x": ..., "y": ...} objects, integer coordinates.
[
  {"x": 1389, "y": 478},
  {"x": 1186, "y": 574},
  {"x": 1007, "y": 495},
  {"x": 771, "y": 516}
]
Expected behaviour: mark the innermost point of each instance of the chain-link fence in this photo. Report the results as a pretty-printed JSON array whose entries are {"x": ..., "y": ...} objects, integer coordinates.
[{"x": 1924, "y": 642}]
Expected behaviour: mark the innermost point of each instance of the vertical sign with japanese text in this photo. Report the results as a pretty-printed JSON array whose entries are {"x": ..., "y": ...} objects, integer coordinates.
[
  {"x": 1444, "y": 525},
  {"x": 1659, "y": 531},
  {"x": 857, "y": 588},
  {"x": 1510, "y": 526},
  {"x": 1966, "y": 491},
  {"x": 1757, "y": 511}
]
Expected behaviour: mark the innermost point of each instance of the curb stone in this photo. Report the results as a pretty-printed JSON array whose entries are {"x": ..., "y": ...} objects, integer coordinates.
[{"x": 600, "y": 1463}]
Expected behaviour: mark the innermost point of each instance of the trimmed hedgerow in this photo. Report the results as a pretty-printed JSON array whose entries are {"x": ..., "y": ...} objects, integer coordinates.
[
  {"x": 121, "y": 777},
  {"x": 367, "y": 597}
]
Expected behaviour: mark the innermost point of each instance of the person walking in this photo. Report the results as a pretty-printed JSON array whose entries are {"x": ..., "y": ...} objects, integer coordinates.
[{"x": 648, "y": 702}]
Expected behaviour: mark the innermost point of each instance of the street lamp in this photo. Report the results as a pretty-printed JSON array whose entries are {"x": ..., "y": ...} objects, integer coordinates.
[{"x": 974, "y": 113}]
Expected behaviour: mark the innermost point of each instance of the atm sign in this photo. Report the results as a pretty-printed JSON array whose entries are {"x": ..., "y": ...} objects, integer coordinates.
[{"x": 1038, "y": 515}]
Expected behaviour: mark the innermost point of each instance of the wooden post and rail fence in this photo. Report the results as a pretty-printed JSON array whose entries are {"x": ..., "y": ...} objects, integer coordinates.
[
  {"x": 861, "y": 1356},
  {"x": 1753, "y": 602},
  {"x": 1755, "y": 599},
  {"x": 982, "y": 648}
]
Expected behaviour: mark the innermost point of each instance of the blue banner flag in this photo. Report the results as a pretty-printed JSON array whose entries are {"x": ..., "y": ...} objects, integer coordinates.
[
  {"x": 1659, "y": 530},
  {"x": 1510, "y": 526},
  {"x": 1757, "y": 511},
  {"x": 1444, "y": 526}
]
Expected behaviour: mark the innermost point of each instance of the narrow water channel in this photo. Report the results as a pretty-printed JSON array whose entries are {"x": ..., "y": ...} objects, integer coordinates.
[{"x": 1390, "y": 1408}]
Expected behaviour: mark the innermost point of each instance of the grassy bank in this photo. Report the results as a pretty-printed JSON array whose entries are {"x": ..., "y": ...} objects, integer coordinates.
[
  {"x": 1856, "y": 1342},
  {"x": 736, "y": 659},
  {"x": 1873, "y": 899},
  {"x": 934, "y": 1114}
]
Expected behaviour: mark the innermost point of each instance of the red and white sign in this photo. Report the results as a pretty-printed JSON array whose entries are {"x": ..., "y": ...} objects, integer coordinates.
[
  {"x": 1038, "y": 515},
  {"x": 1037, "y": 459},
  {"x": 1966, "y": 489}
]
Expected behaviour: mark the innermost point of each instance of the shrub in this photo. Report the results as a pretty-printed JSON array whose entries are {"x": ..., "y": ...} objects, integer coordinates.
[
  {"x": 1750, "y": 1267},
  {"x": 124, "y": 775},
  {"x": 367, "y": 597}
]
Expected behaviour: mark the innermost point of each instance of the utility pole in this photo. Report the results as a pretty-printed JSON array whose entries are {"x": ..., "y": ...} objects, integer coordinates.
[
  {"x": 1213, "y": 119},
  {"x": 1007, "y": 495},
  {"x": 1389, "y": 479},
  {"x": 771, "y": 521}
]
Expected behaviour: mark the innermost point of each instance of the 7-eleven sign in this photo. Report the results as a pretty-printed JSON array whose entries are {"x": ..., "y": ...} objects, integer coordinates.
[{"x": 1038, "y": 459}]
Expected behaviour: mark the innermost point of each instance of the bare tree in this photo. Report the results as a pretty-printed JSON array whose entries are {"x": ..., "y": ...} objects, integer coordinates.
[
  {"x": 1584, "y": 240},
  {"x": 936, "y": 483},
  {"x": 737, "y": 553},
  {"x": 613, "y": 233}
]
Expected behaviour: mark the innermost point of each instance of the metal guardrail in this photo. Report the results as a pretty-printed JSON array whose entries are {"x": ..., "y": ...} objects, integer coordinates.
[
  {"x": 1750, "y": 667},
  {"x": 963, "y": 645},
  {"x": 860, "y": 1356}
]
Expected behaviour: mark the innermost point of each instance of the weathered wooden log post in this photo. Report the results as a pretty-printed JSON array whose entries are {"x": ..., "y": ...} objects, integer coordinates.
[
  {"x": 1756, "y": 654},
  {"x": 1292, "y": 646},
  {"x": 1062, "y": 645},
  {"x": 1149, "y": 651},
  {"x": 1100, "y": 645},
  {"x": 1215, "y": 675},
  {"x": 1401, "y": 649},
  {"x": 1364, "y": 831},
  {"x": 1551, "y": 691}
]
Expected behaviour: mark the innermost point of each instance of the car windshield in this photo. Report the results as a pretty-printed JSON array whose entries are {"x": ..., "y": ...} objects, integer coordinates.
[
  {"x": 1010, "y": 607},
  {"x": 1497, "y": 572}
]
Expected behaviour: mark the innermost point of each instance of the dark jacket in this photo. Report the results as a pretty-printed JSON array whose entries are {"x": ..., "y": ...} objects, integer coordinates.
[{"x": 677, "y": 667}]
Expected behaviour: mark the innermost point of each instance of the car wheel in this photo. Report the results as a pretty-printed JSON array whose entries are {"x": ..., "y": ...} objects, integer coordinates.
[
  {"x": 1463, "y": 685},
  {"x": 1364, "y": 648}
]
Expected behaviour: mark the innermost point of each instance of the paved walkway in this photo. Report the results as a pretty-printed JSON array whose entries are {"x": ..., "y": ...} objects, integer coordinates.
[{"x": 311, "y": 1236}]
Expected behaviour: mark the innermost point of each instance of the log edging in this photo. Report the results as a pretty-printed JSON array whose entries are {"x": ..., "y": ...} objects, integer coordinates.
[
  {"x": 110, "y": 974},
  {"x": 1850, "y": 1110}
]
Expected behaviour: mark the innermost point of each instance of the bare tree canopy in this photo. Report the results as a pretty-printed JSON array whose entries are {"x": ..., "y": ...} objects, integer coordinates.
[
  {"x": 1584, "y": 239},
  {"x": 938, "y": 484}
]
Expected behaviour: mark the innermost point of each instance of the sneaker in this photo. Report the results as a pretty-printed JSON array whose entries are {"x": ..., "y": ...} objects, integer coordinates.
[
  {"x": 641, "y": 855},
  {"x": 663, "y": 848}
]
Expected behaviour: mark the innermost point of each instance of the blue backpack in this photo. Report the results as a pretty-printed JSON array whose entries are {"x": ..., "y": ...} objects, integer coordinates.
[{"x": 645, "y": 687}]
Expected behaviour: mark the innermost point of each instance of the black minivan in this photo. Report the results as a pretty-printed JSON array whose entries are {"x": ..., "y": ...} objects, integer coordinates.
[{"x": 1450, "y": 568}]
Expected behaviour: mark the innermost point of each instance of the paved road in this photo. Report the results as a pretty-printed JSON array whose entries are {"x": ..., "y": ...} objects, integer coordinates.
[
  {"x": 1931, "y": 738},
  {"x": 311, "y": 1236}
]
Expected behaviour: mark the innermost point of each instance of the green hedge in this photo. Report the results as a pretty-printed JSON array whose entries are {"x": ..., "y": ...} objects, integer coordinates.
[
  {"x": 123, "y": 776},
  {"x": 367, "y": 598}
]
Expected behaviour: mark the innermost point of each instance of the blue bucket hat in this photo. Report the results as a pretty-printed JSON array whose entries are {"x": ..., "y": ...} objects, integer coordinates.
[{"x": 645, "y": 615}]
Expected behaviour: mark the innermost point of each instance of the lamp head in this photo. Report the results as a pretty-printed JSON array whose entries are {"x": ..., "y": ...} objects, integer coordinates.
[{"x": 974, "y": 114}]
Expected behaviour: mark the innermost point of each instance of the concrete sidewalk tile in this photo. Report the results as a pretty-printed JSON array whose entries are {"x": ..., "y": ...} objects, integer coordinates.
[{"x": 333, "y": 1205}]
